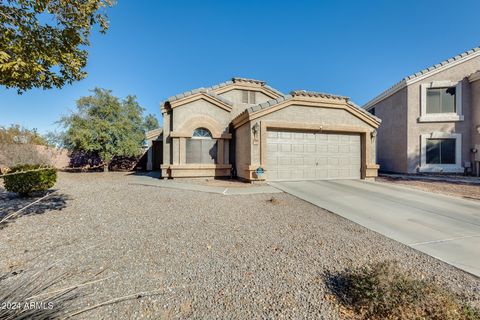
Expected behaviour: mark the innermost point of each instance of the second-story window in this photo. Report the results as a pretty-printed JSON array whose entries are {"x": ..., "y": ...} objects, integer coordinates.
[
  {"x": 441, "y": 100},
  {"x": 248, "y": 97}
]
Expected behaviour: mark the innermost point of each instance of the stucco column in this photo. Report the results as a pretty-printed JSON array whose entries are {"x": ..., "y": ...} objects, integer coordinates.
[
  {"x": 220, "y": 149},
  {"x": 373, "y": 158},
  {"x": 182, "y": 150},
  {"x": 175, "y": 150},
  {"x": 166, "y": 138},
  {"x": 369, "y": 166}
]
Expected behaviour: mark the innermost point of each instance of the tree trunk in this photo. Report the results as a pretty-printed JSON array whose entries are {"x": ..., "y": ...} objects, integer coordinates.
[{"x": 105, "y": 167}]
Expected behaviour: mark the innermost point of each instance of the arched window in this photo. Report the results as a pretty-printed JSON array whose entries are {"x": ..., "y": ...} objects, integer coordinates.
[
  {"x": 201, "y": 148},
  {"x": 201, "y": 133}
]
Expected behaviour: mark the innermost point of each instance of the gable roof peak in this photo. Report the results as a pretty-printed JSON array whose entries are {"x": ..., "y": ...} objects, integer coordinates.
[
  {"x": 315, "y": 94},
  {"x": 238, "y": 79}
]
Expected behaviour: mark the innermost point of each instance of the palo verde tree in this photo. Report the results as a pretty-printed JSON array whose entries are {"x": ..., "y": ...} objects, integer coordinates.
[
  {"x": 106, "y": 126},
  {"x": 42, "y": 42}
]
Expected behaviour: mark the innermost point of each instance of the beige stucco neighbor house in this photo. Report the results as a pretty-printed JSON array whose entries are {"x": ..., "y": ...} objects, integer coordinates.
[
  {"x": 247, "y": 129},
  {"x": 431, "y": 119}
]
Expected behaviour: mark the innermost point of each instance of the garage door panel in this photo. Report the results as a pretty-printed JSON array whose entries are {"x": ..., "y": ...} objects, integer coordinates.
[
  {"x": 310, "y": 148},
  {"x": 285, "y": 135},
  {"x": 286, "y": 147},
  {"x": 309, "y": 162},
  {"x": 297, "y": 161},
  {"x": 344, "y": 161},
  {"x": 298, "y": 148},
  {"x": 306, "y": 155},
  {"x": 322, "y": 149},
  {"x": 333, "y": 148},
  {"x": 272, "y": 161},
  {"x": 321, "y": 137}
]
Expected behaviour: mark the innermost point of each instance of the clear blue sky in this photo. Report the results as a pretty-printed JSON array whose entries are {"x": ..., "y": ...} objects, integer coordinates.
[{"x": 155, "y": 49}]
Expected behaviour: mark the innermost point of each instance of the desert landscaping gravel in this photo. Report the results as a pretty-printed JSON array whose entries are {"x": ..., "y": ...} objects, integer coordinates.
[
  {"x": 458, "y": 189},
  {"x": 205, "y": 255}
]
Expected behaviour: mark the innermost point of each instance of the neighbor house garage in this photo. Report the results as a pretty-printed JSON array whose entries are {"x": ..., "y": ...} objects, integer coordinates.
[{"x": 247, "y": 129}]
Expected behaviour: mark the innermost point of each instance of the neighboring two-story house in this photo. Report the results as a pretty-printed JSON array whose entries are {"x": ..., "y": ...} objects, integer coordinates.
[
  {"x": 245, "y": 128},
  {"x": 431, "y": 119}
]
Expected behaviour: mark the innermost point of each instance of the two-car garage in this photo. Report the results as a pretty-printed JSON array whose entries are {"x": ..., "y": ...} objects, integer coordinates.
[
  {"x": 303, "y": 155},
  {"x": 305, "y": 136}
]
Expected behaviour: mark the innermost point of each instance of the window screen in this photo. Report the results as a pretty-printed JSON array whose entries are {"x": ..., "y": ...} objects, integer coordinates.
[
  {"x": 440, "y": 151},
  {"x": 201, "y": 151},
  {"x": 441, "y": 100}
]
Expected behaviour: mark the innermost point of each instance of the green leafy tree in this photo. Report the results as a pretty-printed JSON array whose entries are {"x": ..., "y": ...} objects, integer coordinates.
[
  {"x": 16, "y": 134},
  {"x": 106, "y": 126},
  {"x": 43, "y": 42},
  {"x": 151, "y": 122}
]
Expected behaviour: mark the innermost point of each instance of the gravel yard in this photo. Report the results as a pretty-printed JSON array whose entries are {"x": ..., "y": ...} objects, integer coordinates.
[
  {"x": 205, "y": 255},
  {"x": 463, "y": 190}
]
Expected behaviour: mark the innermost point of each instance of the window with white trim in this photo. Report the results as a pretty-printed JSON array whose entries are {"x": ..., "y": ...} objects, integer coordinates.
[
  {"x": 441, "y": 152},
  {"x": 441, "y": 101},
  {"x": 201, "y": 148}
]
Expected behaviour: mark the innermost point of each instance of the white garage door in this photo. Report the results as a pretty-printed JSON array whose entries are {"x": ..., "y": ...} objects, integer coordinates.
[{"x": 312, "y": 156}]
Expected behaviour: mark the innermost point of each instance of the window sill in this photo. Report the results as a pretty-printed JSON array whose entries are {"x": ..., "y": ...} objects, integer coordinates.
[
  {"x": 441, "y": 117},
  {"x": 441, "y": 168}
]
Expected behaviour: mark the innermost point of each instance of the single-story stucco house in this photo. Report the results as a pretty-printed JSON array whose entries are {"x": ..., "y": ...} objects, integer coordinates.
[
  {"x": 431, "y": 119},
  {"x": 247, "y": 129}
]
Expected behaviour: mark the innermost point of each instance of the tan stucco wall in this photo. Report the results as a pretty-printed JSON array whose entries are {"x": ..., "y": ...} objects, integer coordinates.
[
  {"x": 200, "y": 108},
  {"x": 392, "y": 134},
  {"x": 475, "y": 120},
  {"x": 235, "y": 96},
  {"x": 415, "y": 128}
]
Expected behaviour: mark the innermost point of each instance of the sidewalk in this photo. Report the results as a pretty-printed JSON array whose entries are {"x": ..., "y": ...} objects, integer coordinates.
[{"x": 186, "y": 185}]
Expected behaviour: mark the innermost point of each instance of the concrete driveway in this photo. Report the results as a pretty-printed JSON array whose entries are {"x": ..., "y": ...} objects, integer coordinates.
[{"x": 444, "y": 227}]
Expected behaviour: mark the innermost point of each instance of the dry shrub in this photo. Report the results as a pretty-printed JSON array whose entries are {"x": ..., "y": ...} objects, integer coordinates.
[
  {"x": 382, "y": 291},
  {"x": 273, "y": 201},
  {"x": 17, "y": 154},
  {"x": 30, "y": 295}
]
